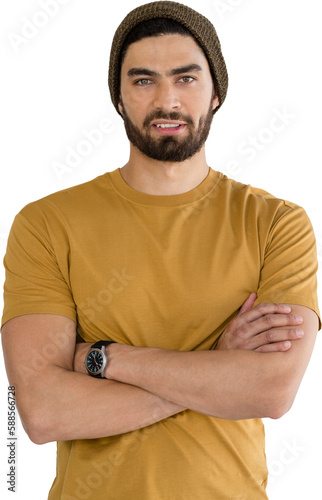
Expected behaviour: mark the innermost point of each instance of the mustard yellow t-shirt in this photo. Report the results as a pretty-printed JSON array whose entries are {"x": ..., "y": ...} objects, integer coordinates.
[{"x": 168, "y": 272}]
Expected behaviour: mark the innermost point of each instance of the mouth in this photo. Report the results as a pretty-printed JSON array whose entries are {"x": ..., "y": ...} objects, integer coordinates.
[{"x": 165, "y": 127}]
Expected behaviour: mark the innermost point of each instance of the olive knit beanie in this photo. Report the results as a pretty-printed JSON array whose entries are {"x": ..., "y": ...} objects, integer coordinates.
[{"x": 198, "y": 25}]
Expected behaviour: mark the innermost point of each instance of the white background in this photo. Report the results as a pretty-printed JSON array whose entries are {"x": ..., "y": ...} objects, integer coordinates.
[{"x": 54, "y": 86}]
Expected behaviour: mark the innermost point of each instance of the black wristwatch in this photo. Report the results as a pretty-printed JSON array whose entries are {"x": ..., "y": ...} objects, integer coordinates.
[{"x": 96, "y": 358}]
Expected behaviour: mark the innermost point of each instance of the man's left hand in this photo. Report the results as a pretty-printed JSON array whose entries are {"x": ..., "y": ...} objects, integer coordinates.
[{"x": 266, "y": 328}]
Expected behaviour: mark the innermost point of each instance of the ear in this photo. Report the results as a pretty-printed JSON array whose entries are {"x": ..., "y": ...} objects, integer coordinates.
[
  {"x": 120, "y": 105},
  {"x": 215, "y": 102}
]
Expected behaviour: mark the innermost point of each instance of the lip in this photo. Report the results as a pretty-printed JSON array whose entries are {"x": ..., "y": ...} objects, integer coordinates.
[
  {"x": 168, "y": 122},
  {"x": 168, "y": 131}
]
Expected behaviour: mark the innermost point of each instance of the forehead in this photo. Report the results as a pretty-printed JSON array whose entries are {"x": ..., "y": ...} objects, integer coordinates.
[{"x": 164, "y": 52}]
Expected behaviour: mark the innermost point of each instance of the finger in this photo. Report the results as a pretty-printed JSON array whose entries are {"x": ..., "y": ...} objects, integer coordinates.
[
  {"x": 267, "y": 324},
  {"x": 262, "y": 330},
  {"x": 248, "y": 304},
  {"x": 275, "y": 347},
  {"x": 262, "y": 310},
  {"x": 245, "y": 327},
  {"x": 269, "y": 337},
  {"x": 277, "y": 336}
]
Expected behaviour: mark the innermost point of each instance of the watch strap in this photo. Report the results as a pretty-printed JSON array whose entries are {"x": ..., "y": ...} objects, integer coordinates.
[{"x": 100, "y": 343}]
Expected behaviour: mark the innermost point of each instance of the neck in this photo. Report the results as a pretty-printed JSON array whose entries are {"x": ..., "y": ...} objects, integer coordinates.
[{"x": 164, "y": 178}]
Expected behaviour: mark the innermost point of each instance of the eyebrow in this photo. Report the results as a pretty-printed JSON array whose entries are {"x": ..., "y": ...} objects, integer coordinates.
[{"x": 176, "y": 71}]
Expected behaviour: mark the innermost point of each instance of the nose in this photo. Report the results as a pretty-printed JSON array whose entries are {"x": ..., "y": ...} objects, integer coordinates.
[{"x": 166, "y": 97}]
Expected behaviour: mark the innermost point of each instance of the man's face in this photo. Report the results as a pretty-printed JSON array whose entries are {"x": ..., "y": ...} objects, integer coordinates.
[{"x": 167, "y": 97}]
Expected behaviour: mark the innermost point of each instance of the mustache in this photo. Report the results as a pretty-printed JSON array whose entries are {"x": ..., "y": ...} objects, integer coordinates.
[{"x": 162, "y": 115}]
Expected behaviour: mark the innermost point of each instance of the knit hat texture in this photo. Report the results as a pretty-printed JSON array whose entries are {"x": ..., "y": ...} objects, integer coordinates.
[{"x": 199, "y": 26}]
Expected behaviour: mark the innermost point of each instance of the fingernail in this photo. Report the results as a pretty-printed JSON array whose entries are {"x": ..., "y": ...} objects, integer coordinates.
[
  {"x": 287, "y": 309},
  {"x": 299, "y": 333},
  {"x": 299, "y": 319}
]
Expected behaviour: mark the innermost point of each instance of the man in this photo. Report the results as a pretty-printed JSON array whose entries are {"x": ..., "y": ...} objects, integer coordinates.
[{"x": 197, "y": 292}]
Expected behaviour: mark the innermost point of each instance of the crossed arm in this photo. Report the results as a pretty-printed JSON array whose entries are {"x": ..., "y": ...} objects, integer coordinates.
[{"x": 254, "y": 372}]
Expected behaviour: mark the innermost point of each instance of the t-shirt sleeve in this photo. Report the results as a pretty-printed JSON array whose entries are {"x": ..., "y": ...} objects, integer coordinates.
[
  {"x": 289, "y": 270},
  {"x": 34, "y": 282}
]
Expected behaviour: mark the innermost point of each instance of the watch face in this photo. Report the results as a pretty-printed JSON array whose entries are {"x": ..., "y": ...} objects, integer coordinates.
[{"x": 95, "y": 361}]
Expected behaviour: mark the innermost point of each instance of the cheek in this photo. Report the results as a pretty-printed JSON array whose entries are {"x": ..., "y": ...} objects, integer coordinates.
[{"x": 134, "y": 104}]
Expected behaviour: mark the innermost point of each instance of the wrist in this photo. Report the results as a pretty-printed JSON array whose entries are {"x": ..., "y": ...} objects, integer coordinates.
[
  {"x": 119, "y": 360},
  {"x": 221, "y": 344},
  {"x": 81, "y": 351},
  {"x": 114, "y": 353}
]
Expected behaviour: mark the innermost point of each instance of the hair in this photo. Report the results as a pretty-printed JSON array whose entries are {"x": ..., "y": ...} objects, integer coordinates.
[{"x": 150, "y": 28}]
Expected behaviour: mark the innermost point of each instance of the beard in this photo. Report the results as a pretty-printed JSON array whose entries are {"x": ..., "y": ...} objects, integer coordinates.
[{"x": 170, "y": 148}]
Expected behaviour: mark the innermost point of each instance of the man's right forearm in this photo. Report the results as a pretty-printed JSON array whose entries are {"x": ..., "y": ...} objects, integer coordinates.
[
  {"x": 77, "y": 406},
  {"x": 57, "y": 403}
]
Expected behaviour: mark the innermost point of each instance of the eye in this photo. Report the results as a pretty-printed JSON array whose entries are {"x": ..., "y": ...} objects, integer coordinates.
[
  {"x": 143, "y": 81},
  {"x": 186, "y": 79}
]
